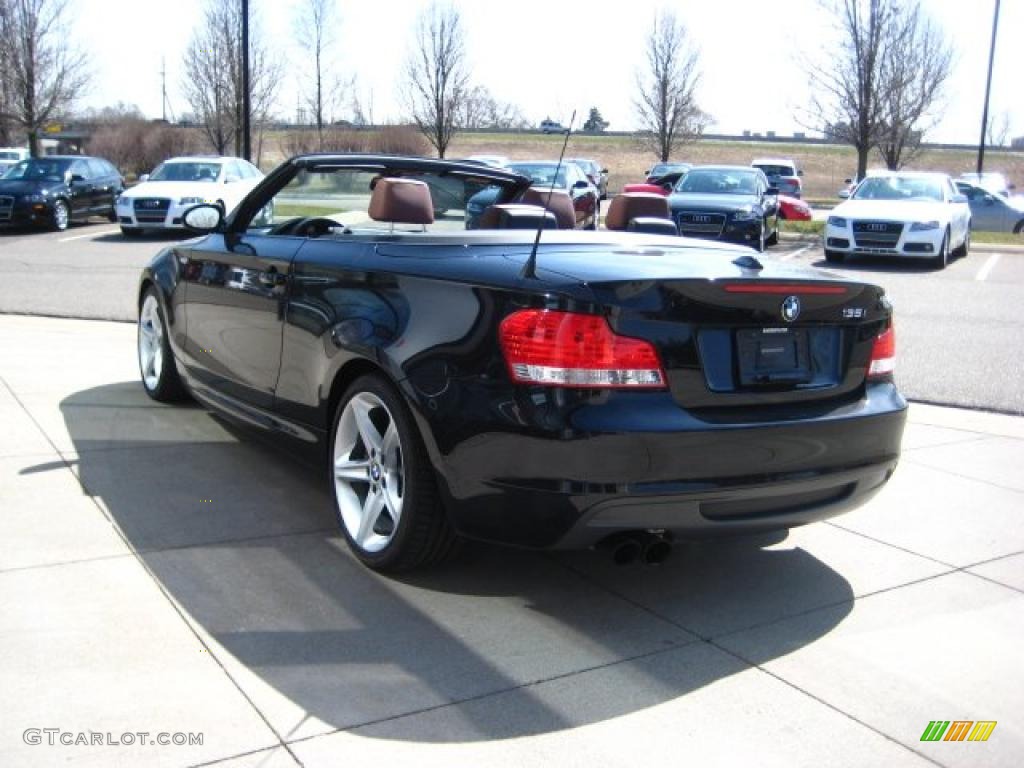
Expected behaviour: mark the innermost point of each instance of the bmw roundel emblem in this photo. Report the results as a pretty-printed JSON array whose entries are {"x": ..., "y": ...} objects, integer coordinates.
[{"x": 790, "y": 309}]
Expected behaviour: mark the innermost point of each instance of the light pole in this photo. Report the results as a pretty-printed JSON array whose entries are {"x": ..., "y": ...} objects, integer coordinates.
[
  {"x": 988, "y": 88},
  {"x": 246, "y": 105}
]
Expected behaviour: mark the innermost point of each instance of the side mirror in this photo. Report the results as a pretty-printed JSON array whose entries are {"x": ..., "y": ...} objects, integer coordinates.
[
  {"x": 847, "y": 181},
  {"x": 203, "y": 218},
  {"x": 960, "y": 199},
  {"x": 581, "y": 184},
  {"x": 1011, "y": 187},
  {"x": 143, "y": 178},
  {"x": 75, "y": 178},
  {"x": 799, "y": 173},
  {"x": 844, "y": 194},
  {"x": 605, "y": 170}
]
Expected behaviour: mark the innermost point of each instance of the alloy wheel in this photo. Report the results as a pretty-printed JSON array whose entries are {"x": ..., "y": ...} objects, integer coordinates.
[
  {"x": 60, "y": 215},
  {"x": 369, "y": 472},
  {"x": 151, "y": 349}
]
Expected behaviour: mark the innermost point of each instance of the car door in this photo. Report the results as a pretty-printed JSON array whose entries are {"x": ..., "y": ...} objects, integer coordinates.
[
  {"x": 103, "y": 185},
  {"x": 81, "y": 189},
  {"x": 235, "y": 295}
]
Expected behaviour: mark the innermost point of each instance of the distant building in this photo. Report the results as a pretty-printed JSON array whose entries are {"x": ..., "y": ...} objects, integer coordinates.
[{"x": 1017, "y": 143}]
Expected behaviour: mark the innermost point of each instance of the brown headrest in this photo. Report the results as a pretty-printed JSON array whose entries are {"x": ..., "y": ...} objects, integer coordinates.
[
  {"x": 560, "y": 205},
  {"x": 632, "y": 205},
  {"x": 516, "y": 216},
  {"x": 401, "y": 201}
]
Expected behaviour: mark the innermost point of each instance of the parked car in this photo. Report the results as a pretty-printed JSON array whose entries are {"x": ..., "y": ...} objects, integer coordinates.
[
  {"x": 597, "y": 174},
  {"x": 991, "y": 211},
  {"x": 605, "y": 388},
  {"x": 551, "y": 126},
  {"x": 569, "y": 180},
  {"x": 726, "y": 202},
  {"x": 989, "y": 181},
  {"x": 782, "y": 173},
  {"x": 794, "y": 209},
  {"x": 897, "y": 213},
  {"x": 495, "y": 161},
  {"x": 665, "y": 173},
  {"x": 160, "y": 200},
  {"x": 664, "y": 185},
  {"x": 55, "y": 190},
  {"x": 10, "y": 156}
]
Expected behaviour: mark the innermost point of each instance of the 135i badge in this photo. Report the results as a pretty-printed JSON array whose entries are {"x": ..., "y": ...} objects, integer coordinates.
[{"x": 853, "y": 313}]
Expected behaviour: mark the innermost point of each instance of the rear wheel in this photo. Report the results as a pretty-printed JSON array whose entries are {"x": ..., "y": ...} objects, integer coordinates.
[
  {"x": 156, "y": 361},
  {"x": 384, "y": 493},
  {"x": 834, "y": 257}
]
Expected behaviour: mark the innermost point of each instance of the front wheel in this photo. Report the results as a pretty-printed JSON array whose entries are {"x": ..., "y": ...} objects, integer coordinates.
[
  {"x": 156, "y": 361},
  {"x": 383, "y": 486},
  {"x": 61, "y": 216},
  {"x": 834, "y": 257},
  {"x": 942, "y": 257}
]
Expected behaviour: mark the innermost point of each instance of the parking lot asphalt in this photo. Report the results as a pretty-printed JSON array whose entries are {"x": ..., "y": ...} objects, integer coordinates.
[{"x": 162, "y": 572}]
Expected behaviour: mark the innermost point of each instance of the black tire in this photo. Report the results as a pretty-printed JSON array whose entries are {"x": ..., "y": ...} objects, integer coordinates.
[
  {"x": 422, "y": 536},
  {"x": 773, "y": 238},
  {"x": 131, "y": 232},
  {"x": 60, "y": 218},
  {"x": 941, "y": 259},
  {"x": 160, "y": 381},
  {"x": 834, "y": 257},
  {"x": 964, "y": 249},
  {"x": 762, "y": 243}
]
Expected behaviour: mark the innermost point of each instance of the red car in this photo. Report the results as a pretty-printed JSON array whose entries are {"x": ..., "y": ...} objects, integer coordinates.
[{"x": 794, "y": 209}]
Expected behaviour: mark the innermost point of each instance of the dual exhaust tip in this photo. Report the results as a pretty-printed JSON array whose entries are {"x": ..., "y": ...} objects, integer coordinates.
[{"x": 650, "y": 548}]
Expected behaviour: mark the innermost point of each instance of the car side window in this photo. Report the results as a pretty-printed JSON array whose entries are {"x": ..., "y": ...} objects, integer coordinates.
[
  {"x": 97, "y": 169},
  {"x": 80, "y": 168},
  {"x": 232, "y": 173}
]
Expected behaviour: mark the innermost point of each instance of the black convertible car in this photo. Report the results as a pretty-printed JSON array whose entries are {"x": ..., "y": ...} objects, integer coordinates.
[{"x": 602, "y": 388}]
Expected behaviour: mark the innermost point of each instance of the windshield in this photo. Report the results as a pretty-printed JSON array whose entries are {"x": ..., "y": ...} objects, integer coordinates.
[
  {"x": 186, "y": 172},
  {"x": 663, "y": 168},
  {"x": 899, "y": 188},
  {"x": 777, "y": 170},
  {"x": 542, "y": 173},
  {"x": 711, "y": 182},
  {"x": 39, "y": 169}
]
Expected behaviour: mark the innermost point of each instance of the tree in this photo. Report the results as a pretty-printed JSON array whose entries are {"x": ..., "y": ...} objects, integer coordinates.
[
  {"x": 41, "y": 70},
  {"x": 595, "y": 123},
  {"x": 436, "y": 75},
  {"x": 315, "y": 22},
  {"x": 213, "y": 76},
  {"x": 666, "y": 103},
  {"x": 481, "y": 110},
  {"x": 998, "y": 131},
  {"x": 916, "y": 64},
  {"x": 883, "y": 78}
]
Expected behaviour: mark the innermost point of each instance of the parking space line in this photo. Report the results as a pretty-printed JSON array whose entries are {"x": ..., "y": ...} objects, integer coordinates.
[
  {"x": 91, "y": 234},
  {"x": 794, "y": 254},
  {"x": 987, "y": 267}
]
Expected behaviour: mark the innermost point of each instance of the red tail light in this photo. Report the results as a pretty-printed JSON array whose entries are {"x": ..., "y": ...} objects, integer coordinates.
[
  {"x": 567, "y": 349},
  {"x": 883, "y": 355}
]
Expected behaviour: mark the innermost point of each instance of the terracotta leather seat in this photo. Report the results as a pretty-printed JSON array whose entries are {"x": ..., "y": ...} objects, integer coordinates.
[
  {"x": 401, "y": 201},
  {"x": 635, "y": 205},
  {"x": 516, "y": 216},
  {"x": 560, "y": 204}
]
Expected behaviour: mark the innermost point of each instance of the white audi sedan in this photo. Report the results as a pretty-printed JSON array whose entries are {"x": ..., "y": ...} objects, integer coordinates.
[
  {"x": 893, "y": 213},
  {"x": 160, "y": 200}
]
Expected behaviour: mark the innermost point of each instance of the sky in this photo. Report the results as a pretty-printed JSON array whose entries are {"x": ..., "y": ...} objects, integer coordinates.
[{"x": 550, "y": 57}]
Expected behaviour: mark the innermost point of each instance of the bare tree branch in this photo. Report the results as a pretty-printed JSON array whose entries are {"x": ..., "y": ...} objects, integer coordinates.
[
  {"x": 42, "y": 72},
  {"x": 315, "y": 24},
  {"x": 213, "y": 76},
  {"x": 436, "y": 75},
  {"x": 666, "y": 103}
]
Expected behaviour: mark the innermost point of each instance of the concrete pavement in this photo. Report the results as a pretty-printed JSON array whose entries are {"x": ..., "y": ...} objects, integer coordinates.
[{"x": 162, "y": 573}]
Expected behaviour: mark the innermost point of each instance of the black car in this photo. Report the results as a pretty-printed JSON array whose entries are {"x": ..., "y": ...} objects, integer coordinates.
[
  {"x": 603, "y": 388},
  {"x": 726, "y": 202},
  {"x": 53, "y": 191}
]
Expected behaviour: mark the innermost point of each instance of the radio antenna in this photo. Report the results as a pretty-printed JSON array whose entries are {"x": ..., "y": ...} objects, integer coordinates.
[{"x": 530, "y": 268}]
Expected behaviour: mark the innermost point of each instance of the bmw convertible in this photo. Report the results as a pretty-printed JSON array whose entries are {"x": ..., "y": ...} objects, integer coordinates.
[{"x": 516, "y": 382}]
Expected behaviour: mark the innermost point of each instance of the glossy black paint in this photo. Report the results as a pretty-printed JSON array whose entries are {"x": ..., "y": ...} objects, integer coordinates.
[
  {"x": 271, "y": 329},
  {"x": 87, "y": 185}
]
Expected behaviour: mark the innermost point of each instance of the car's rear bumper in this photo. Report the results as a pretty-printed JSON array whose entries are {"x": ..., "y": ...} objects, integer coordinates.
[{"x": 678, "y": 473}]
